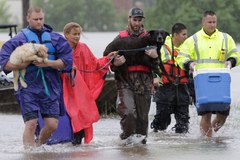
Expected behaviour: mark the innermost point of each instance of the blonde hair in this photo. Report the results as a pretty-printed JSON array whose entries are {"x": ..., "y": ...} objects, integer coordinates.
[
  {"x": 69, "y": 26},
  {"x": 34, "y": 9}
]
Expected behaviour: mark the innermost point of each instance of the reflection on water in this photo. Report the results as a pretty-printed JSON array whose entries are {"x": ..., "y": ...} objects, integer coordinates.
[{"x": 106, "y": 145}]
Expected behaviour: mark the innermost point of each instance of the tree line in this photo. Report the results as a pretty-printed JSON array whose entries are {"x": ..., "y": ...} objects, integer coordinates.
[{"x": 102, "y": 15}]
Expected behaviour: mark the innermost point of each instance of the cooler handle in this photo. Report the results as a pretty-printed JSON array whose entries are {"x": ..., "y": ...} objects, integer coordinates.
[{"x": 214, "y": 78}]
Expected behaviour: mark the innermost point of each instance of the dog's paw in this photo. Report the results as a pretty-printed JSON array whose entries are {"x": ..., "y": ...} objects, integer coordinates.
[
  {"x": 23, "y": 83},
  {"x": 15, "y": 86}
]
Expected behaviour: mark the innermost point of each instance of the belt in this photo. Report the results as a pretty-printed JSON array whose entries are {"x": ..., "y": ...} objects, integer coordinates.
[{"x": 138, "y": 68}]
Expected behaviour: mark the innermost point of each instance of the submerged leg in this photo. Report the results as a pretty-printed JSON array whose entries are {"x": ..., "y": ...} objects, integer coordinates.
[
  {"x": 50, "y": 125},
  {"x": 205, "y": 125},
  {"x": 29, "y": 134},
  {"x": 181, "y": 114},
  {"x": 218, "y": 121}
]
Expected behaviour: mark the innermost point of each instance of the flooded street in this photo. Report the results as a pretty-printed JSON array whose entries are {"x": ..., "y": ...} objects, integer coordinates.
[{"x": 106, "y": 144}]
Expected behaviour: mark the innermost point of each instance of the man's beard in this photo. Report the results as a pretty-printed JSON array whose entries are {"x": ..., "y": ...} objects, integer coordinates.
[{"x": 134, "y": 32}]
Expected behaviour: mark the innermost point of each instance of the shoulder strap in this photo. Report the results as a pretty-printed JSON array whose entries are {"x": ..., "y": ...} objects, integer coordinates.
[
  {"x": 44, "y": 39},
  {"x": 31, "y": 36},
  {"x": 123, "y": 33}
]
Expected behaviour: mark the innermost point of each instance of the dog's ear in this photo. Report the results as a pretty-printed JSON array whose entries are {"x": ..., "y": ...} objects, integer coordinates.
[
  {"x": 167, "y": 34},
  {"x": 151, "y": 32}
]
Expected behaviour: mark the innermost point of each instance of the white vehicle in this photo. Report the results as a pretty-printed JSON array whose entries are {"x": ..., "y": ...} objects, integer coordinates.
[{"x": 6, "y": 80}]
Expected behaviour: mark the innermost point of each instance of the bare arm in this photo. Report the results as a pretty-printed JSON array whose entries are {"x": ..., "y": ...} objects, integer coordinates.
[
  {"x": 10, "y": 67},
  {"x": 56, "y": 64}
]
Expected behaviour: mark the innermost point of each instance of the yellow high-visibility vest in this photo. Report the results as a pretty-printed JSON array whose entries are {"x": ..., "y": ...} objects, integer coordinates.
[{"x": 208, "y": 51}]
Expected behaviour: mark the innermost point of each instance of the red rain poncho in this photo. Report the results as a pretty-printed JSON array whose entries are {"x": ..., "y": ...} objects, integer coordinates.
[{"x": 80, "y": 99}]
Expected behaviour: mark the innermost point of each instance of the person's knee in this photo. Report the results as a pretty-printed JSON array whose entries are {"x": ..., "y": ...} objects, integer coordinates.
[
  {"x": 51, "y": 124},
  {"x": 31, "y": 125},
  {"x": 206, "y": 118},
  {"x": 221, "y": 118}
]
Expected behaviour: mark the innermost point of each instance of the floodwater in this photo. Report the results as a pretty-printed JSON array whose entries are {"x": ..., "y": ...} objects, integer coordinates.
[{"x": 106, "y": 145}]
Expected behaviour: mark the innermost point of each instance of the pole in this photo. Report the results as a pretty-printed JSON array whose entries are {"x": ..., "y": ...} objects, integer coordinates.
[{"x": 25, "y": 6}]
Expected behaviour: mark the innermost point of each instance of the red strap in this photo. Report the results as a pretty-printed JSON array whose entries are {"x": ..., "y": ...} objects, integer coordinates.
[
  {"x": 175, "y": 53},
  {"x": 138, "y": 68}
]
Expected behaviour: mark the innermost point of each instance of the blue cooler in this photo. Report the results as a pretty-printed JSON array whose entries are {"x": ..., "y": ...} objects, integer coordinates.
[{"x": 212, "y": 89}]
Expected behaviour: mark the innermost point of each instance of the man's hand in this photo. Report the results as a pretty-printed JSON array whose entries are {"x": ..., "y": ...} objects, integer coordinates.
[
  {"x": 228, "y": 64},
  {"x": 151, "y": 53},
  {"x": 157, "y": 82},
  {"x": 41, "y": 64},
  {"x": 119, "y": 60},
  {"x": 191, "y": 66}
]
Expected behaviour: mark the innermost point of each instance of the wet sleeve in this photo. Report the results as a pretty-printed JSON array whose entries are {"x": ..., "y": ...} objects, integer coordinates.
[
  {"x": 233, "y": 54},
  {"x": 64, "y": 51},
  {"x": 8, "y": 47},
  {"x": 186, "y": 54}
]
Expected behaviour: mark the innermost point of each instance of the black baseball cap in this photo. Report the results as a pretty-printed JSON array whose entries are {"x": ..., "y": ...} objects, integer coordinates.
[{"x": 136, "y": 12}]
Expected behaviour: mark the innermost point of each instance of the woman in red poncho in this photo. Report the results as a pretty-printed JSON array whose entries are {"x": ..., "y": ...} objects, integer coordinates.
[{"x": 81, "y": 92}]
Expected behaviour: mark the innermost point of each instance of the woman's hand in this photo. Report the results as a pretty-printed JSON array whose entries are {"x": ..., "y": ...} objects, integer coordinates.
[{"x": 112, "y": 54}]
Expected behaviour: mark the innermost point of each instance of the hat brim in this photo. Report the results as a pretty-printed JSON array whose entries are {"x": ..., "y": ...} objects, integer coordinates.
[{"x": 140, "y": 16}]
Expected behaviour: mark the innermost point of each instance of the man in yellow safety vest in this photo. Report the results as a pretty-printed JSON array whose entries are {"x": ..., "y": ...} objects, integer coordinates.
[{"x": 209, "y": 48}]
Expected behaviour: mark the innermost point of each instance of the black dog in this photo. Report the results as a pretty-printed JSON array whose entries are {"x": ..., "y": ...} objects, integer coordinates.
[
  {"x": 154, "y": 37},
  {"x": 133, "y": 48}
]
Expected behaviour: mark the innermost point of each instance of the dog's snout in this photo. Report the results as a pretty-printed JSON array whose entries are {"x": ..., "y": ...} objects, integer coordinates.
[{"x": 160, "y": 38}]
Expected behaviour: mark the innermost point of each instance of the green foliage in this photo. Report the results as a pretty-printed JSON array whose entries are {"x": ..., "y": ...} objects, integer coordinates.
[
  {"x": 167, "y": 12},
  {"x": 92, "y": 15},
  {"x": 100, "y": 15},
  {"x": 4, "y": 14}
]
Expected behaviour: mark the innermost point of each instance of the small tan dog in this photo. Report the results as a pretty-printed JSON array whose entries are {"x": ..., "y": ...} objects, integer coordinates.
[{"x": 28, "y": 52}]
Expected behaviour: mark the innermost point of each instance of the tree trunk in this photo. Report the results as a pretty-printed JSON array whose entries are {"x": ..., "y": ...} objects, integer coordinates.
[{"x": 25, "y": 6}]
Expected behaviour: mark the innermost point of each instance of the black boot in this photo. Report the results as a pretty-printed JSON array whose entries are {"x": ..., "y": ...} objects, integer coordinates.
[
  {"x": 180, "y": 128},
  {"x": 77, "y": 137},
  {"x": 160, "y": 125},
  {"x": 154, "y": 127}
]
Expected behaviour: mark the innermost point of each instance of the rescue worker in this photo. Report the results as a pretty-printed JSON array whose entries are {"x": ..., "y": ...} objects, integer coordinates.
[
  {"x": 204, "y": 49},
  {"x": 43, "y": 96},
  {"x": 134, "y": 89},
  {"x": 172, "y": 94}
]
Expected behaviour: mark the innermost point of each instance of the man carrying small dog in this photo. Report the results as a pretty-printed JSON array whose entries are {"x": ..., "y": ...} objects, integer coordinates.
[{"x": 34, "y": 99}]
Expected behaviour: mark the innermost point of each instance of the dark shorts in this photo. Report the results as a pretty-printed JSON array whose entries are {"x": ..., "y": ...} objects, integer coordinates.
[
  {"x": 35, "y": 115},
  {"x": 33, "y": 104},
  {"x": 225, "y": 113}
]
